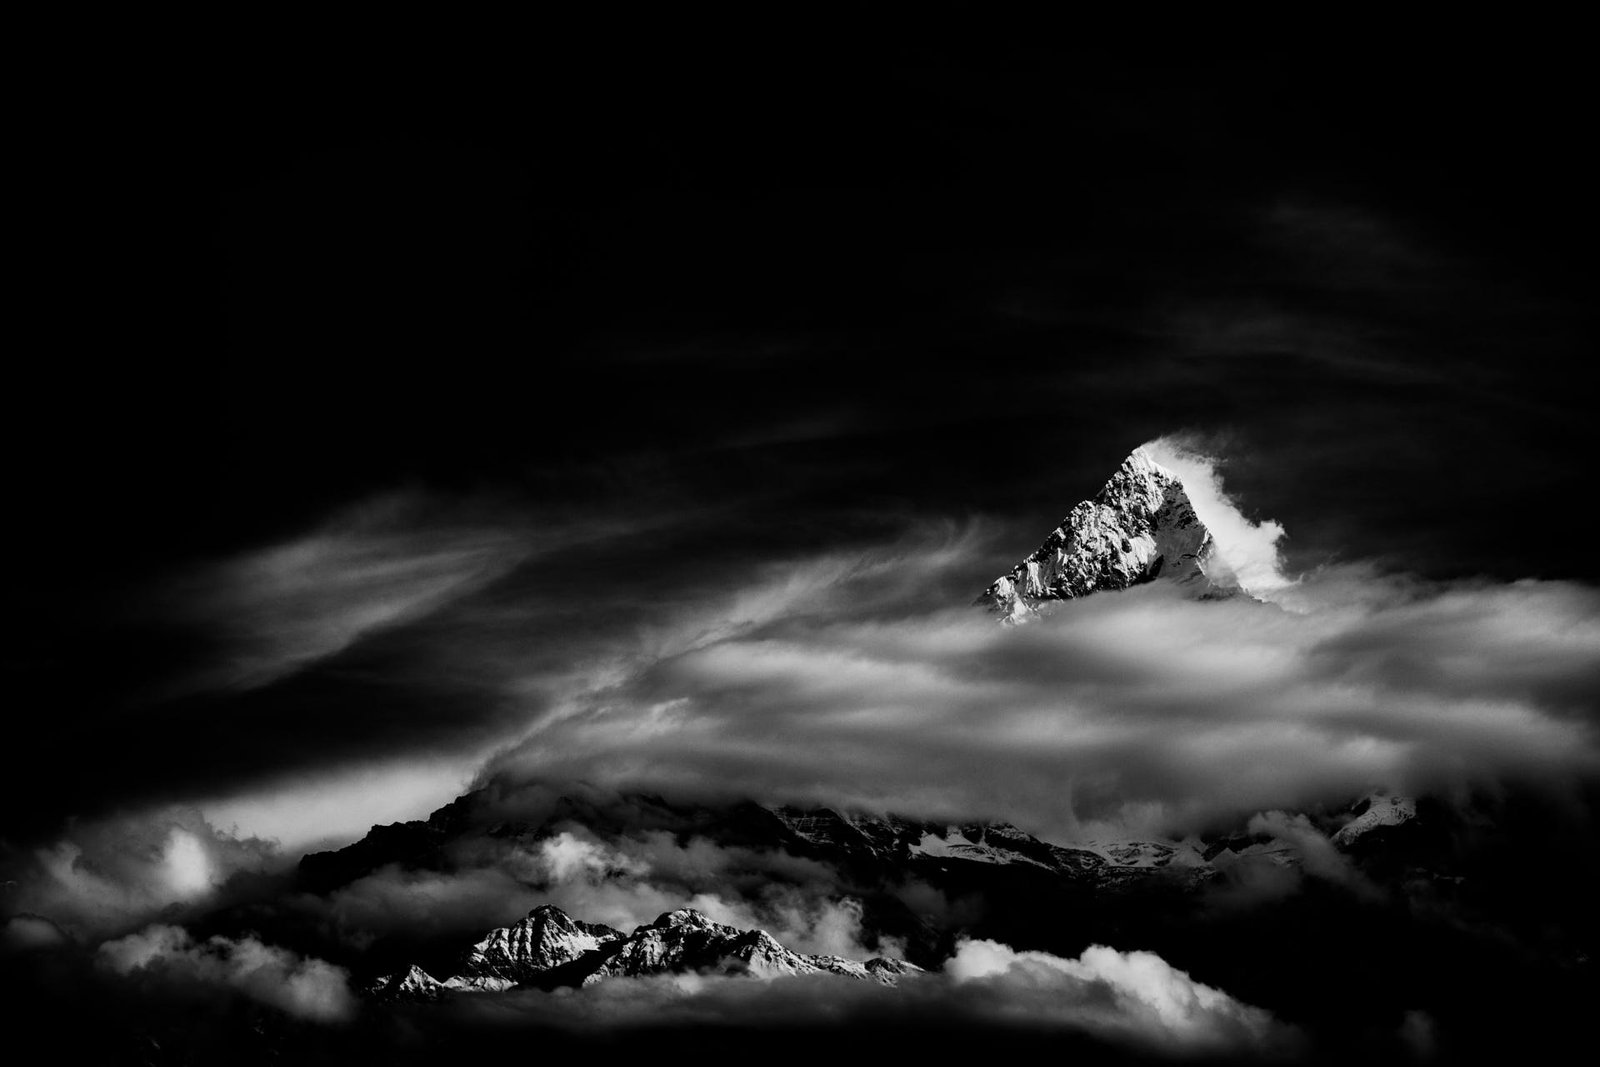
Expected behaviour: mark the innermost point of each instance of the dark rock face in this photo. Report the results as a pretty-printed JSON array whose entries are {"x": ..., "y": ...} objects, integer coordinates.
[{"x": 413, "y": 844}]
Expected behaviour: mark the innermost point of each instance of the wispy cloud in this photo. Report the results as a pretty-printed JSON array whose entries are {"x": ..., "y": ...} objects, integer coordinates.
[
  {"x": 862, "y": 677},
  {"x": 109, "y": 875},
  {"x": 1140, "y": 711},
  {"x": 388, "y": 561}
]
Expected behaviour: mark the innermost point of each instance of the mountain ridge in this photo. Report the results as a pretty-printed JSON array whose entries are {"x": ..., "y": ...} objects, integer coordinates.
[
  {"x": 1141, "y": 525},
  {"x": 550, "y": 949}
]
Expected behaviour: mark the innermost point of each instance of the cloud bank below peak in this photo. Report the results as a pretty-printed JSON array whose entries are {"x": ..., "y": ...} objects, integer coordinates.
[
  {"x": 1135, "y": 712},
  {"x": 307, "y": 988},
  {"x": 856, "y": 674}
]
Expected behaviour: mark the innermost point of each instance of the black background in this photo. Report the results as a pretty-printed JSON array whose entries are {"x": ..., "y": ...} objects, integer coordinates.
[{"x": 584, "y": 271}]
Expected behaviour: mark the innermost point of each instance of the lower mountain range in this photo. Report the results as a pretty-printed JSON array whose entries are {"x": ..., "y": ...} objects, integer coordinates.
[{"x": 1320, "y": 917}]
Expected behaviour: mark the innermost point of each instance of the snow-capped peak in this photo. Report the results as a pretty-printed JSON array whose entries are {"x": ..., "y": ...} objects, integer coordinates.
[
  {"x": 1140, "y": 525},
  {"x": 685, "y": 917},
  {"x": 550, "y": 948},
  {"x": 546, "y": 939},
  {"x": 413, "y": 983}
]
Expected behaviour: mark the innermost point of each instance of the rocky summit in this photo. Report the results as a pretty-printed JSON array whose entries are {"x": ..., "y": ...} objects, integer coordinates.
[
  {"x": 1140, "y": 526},
  {"x": 547, "y": 939}
]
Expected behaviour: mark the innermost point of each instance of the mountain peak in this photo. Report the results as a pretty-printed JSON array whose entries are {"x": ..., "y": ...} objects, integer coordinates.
[
  {"x": 1140, "y": 525},
  {"x": 688, "y": 917},
  {"x": 1374, "y": 811},
  {"x": 682, "y": 941},
  {"x": 1141, "y": 460},
  {"x": 546, "y": 939},
  {"x": 413, "y": 983}
]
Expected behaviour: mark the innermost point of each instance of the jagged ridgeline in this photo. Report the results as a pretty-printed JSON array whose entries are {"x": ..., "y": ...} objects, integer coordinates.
[
  {"x": 1140, "y": 526},
  {"x": 549, "y": 949}
]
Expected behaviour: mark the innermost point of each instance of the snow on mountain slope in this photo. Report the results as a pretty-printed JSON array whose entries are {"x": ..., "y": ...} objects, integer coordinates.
[
  {"x": 1148, "y": 855},
  {"x": 955, "y": 844},
  {"x": 546, "y": 939},
  {"x": 551, "y": 945},
  {"x": 881, "y": 836},
  {"x": 892, "y": 840},
  {"x": 685, "y": 940},
  {"x": 1375, "y": 811},
  {"x": 889, "y": 971},
  {"x": 413, "y": 983},
  {"x": 1139, "y": 526}
]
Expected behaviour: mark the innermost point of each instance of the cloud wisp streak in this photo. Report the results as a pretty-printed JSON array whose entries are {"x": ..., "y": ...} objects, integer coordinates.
[{"x": 376, "y": 566}]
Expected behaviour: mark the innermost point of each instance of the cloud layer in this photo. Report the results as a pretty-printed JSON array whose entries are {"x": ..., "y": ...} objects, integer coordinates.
[
  {"x": 105, "y": 876},
  {"x": 1136, "y": 996},
  {"x": 306, "y": 988},
  {"x": 1140, "y": 712},
  {"x": 862, "y": 678}
]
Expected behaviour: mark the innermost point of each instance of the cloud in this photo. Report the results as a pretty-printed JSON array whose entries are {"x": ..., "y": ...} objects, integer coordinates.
[
  {"x": 109, "y": 874},
  {"x": 628, "y": 882},
  {"x": 860, "y": 677},
  {"x": 455, "y": 907},
  {"x": 1417, "y": 1033},
  {"x": 23, "y": 933},
  {"x": 1137, "y": 995},
  {"x": 1139, "y": 712},
  {"x": 338, "y": 805},
  {"x": 307, "y": 988},
  {"x": 1269, "y": 870},
  {"x": 1249, "y": 548},
  {"x": 625, "y": 881},
  {"x": 387, "y": 561},
  {"x": 1349, "y": 247},
  {"x": 1317, "y": 853},
  {"x": 567, "y": 857}
]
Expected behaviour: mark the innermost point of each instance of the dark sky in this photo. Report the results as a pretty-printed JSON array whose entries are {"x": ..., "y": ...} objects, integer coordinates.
[{"x": 747, "y": 307}]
